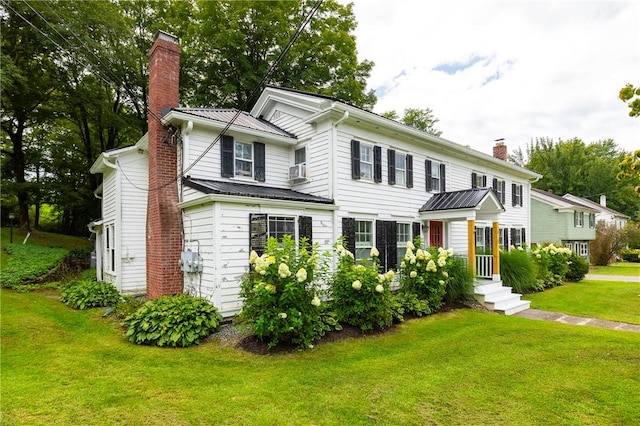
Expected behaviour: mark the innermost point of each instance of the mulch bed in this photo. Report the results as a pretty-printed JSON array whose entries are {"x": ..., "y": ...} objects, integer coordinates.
[{"x": 250, "y": 343}]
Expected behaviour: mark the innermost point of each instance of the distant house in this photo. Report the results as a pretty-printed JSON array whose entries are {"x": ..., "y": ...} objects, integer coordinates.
[
  {"x": 184, "y": 207},
  {"x": 605, "y": 214},
  {"x": 559, "y": 220}
]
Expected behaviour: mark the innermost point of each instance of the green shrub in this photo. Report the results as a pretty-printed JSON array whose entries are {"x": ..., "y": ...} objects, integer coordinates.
[
  {"x": 578, "y": 268},
  {"x": 460, "y": 285},
  {"x": 88, "y": 275},
  {"x": 518, "y": 271},
  {"x": 408, "y": 303},
  {"x": 27, "y": 263},
  {"x": 361, "y": 295},
  {"x": 630, "y": 255},
  {"x": 177, "y": 321},
  {"x": 425, "y": 273},
  {"x": 127, "y": 306},
  {"x": 89, "y": 294},
  {"x": 552, "y": 263},
  {"x": 281, "y": 293}
]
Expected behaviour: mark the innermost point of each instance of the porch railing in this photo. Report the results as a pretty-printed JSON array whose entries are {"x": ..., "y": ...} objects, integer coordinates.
[{"x": 484, "y": 265}]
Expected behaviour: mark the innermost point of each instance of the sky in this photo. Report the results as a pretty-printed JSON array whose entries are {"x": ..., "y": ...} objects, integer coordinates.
[{"x": 512, "y": 70}]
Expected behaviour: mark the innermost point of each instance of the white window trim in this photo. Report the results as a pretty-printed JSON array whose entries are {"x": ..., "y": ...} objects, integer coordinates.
[
  {"x": 110, "y": 248},
  {"x": 435, "y": 169},
  {"x": 288, "y": 217},
  {"x": 236, "y": 158},
  {"x": 403, "y": 169},
  {"x": 364, "y": 245},
  {"x": 402, "y": 245},
  {"x": 365, "y": 146}
]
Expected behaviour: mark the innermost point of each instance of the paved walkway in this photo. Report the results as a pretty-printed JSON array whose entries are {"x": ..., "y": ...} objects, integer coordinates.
[
  {"x": 629, "y": 279},
  {"x": 537, "y": 314}
]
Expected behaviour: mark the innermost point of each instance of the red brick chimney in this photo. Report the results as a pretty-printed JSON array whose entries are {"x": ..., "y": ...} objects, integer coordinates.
[
  {"x": 500, "y": 150},
  {"x": 164, "y": 229}
]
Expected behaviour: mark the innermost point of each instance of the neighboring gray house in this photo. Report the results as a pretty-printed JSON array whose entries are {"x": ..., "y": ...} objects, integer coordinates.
[
  {"x": 605, "y": 214},
  {"x": 561, "y": 221}
]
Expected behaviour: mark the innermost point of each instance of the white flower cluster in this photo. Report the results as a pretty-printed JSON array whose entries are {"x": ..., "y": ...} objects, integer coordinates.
[
  {"x": 342, "y": 252},
  {"x": 551, "y": 249}
]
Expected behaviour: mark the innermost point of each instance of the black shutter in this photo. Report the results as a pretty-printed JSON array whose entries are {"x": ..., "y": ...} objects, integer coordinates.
[
  {"x": 305, "y": 228},
  {"x": 505, "y": 237},
  {"x": 349, "y": 234},
  {"x": 504, "y": 192},
  {"x": 513, "y": 236},
  {"x": 443, "y": 185},
  {"x": 391, "y": 230},
  {"x": 409, "y": 171},
  {"x": 513, "y": 194},
  {"x": 524, "y": 238},
  {"x": 487, "y": 240},
  {"x": 391, "y": 166},
  {"x": 521, "y": 195},
  {"x": 258, "y": 161},
  {"x": 473, "y": 180},
  {"x": 258, "y": 232},
  {"x": 226, "y": 146},
  {"x": 377, "y": 164},
  {"x": 495, "y": 185},
  {"x": 355, "y": 159},
  {"x": 427, "y": 168},
  {"x": 416, "y": 230},
  {"x": 381, "y": 243},
  {"x": 484, "y": 181}
]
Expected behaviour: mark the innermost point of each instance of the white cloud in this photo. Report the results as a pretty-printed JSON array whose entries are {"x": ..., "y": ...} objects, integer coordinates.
[{"x": 526, "y": 68}]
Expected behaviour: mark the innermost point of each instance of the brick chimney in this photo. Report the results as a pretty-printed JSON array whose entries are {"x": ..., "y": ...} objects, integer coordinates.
[
  {"x": 500, "y": 150},
  {"x": 164, "y": 229}
]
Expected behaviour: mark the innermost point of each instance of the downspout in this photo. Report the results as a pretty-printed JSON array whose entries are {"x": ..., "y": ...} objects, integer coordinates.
[
  {"x": 183, "y": 152},
  {"x": 333, "y": 149}
]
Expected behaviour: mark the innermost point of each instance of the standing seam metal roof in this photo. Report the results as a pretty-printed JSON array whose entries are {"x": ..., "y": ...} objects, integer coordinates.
[
  {"x": 244, "y": 119},
  {"x": 465, "y": 199}
]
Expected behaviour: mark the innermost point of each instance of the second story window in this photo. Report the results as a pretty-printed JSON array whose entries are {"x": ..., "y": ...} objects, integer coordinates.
[
  {"x": 592, "y": 220},
  {"x": 366, "y": 162},
  {"x": 478, "y": 180},
  {"x": 578, "y": 219},
  {"x": 243, "y": 159},
  {"x": 500, "y": 187},
  {"x": 401, "y": 169},
  {"x": 300, "y": 156},
  {"x": 516, "y": 195},
  {"x": 435, "y": 172}
]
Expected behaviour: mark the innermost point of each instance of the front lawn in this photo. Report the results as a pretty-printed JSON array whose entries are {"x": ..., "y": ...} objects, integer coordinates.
[
  {"x": 611, "y": 300},
  {"x": 61, "y": 366},
  {"x": 629, "y": 269}
]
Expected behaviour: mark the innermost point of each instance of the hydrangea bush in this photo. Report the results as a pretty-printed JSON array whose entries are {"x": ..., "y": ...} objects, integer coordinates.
[
  {"x": 361, "y": 294},
  {"x": 552, "y": 263},
  {"x": 281, "y": 291},
  {"x": 423, "y": 272}
]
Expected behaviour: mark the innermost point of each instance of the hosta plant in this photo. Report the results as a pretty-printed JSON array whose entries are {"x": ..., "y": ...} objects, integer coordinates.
[
  {"x": 80, "y": 294},
  {"x": 177, "y": 321},
  {"x": 281, "y": 292},
  {"x": 361, "y": 294}
]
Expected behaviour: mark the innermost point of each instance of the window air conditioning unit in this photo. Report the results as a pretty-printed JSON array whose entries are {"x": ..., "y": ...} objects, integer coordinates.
[{"x": 298, "y": 172}]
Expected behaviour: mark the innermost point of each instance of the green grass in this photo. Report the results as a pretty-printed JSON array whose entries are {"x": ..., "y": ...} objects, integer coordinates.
[
  {"x": 611, "y": 300},
  {"x": 61, "y": 366},
  {"x": 629, "y": 269}
]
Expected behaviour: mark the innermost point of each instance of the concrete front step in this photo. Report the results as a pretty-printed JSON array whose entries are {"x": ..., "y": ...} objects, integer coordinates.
[{"x": 494, "y": 296}]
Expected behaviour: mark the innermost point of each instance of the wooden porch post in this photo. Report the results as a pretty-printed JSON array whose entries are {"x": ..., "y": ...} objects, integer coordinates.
[
  {"x": 495, "y": 249},
  {"x": 471, "y": 245}
]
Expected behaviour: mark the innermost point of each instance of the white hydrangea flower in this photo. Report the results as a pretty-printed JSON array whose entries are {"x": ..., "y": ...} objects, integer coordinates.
[
  {"x": 315, "y": 301},
  {"x": 379, "y": 288},
  {"x": 413, "y": 274},
  {"x": 282, "y": 315},
  {"x": 431, "y": 266},
  {"x": 253, "y": 256},
  {"x": 283, "y": 270},
  {"x": 374, "y": 252},
  {"x": 301, "y": 275},
  {"x": 357, "y": 285}
]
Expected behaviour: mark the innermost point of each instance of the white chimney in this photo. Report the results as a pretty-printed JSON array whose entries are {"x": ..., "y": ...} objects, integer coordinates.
[{"x": 603, "y": 200}]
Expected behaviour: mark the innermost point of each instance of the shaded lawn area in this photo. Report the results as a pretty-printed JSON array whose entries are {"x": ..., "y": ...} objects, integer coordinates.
[
  {"x": 41, "y": 239},
  {"x": 628, "y": 269},
  {"x": 61, "y": 366},
  {"x": 610, "y": 300}
]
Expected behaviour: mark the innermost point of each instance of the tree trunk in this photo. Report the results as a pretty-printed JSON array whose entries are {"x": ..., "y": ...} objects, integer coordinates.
[{"x": 18, "y": 171}]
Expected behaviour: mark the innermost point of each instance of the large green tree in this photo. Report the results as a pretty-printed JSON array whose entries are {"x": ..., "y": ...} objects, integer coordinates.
[
  {"x": 585, "y": 170},
  {"x": 420, "y": 118}
]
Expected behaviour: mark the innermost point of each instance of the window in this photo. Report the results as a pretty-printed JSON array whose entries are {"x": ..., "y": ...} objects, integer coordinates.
[
  {"x": 435, "y": 172},
  {"x": 578, "y": 219},
  {"x": 403, "y": 235},
  {"x": 242, "y": 159},
  {"x": 592, "y": 220},
  {"x": 110, "y": 261},
  {"x": 480, "y": 240},
  {"x": 366, "y": 162},
  {"x": 503, "y": 236},
  {"x": 500, "y": 186},
  {"x": 364, "y": 239},
  {"x": 517, "y": 237},
  {"x": 401, "y": 169},
  {"x": 516, "y": 195},
  {"x": 279, "y": 226},
  {"x": 300, "y": 156},
  {"x": 584, "y": 249},
  {"x": 478, "y": 180},
  {"x": 243, "y": 156}
]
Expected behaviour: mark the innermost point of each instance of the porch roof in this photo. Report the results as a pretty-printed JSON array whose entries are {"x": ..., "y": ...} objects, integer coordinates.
[{"x": 476, "y": 203}]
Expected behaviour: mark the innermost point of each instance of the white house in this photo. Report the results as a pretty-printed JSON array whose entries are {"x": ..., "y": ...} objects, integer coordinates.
[
  {"x": 604, "y": 213},
  {"x": 300, "y": 164}
]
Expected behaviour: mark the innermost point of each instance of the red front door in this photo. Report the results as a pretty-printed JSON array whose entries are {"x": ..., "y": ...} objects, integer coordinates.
[{"x": 435, "y": 233}]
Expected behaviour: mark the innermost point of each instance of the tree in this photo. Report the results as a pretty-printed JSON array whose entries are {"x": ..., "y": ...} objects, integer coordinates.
[
  {"x": 583, "y": 170},
  {"x": 629, "y": 170},
  {"x": 422, "y": 119},
  {"x": 631, "y": 96},
  {"x": 228, "y": 47}
]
